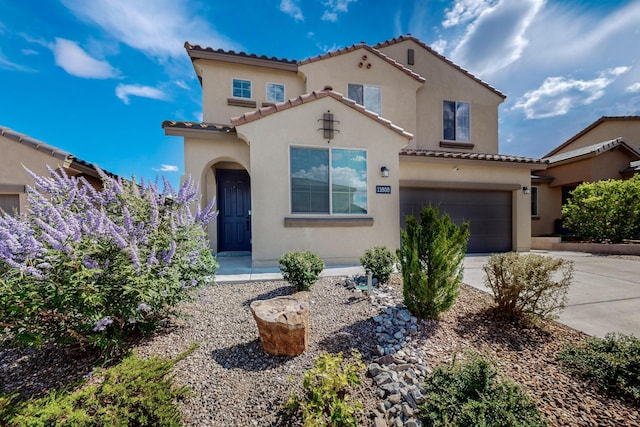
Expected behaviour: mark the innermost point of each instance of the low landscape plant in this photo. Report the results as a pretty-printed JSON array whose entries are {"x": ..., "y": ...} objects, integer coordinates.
[
  {"x": 95, "y": 266},
  {"x": 136, "y": 392},
  {"x": 379, "y": 261},
  {"x": 612, "y": 363},
  {"x": 471, "y": 394},
  {"x": 327, "y": 386},
  {"x": 430, "y": 256},
  {"x": 524, "y": 285},
  {"x": 301, "y": 269},
  {"x": 604, "y": 211}
]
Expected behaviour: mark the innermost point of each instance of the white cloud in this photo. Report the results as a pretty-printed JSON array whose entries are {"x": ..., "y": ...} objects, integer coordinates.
[
  {"x": 166, "y": 168},
  {"x": 159, "y": 28},
  {"x": 557, "y": 95},
  {"x": 634, "y": 88},
  {"x": 182, "y": 84},
  {"x": 75, "y": 61},
  {"x": 465, "y": 11},
  {"x": 30, "y": 52},
  {"x": 125, "y": 91},
  {"x": 291, "y": 8},
  {"x": 439, "y": 46},
  {"x": 497, "y": 37},
  {"x": 6, "y": 64},
  {"x": 333, "y": 8}
]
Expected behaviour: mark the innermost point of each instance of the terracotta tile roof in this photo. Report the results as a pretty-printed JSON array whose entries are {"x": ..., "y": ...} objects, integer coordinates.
[
  {"x": 594, "y": 149},
  {"x": 589, "y": 128},
  {"x": 439, "y": 56},
  {"x": 196, "y": 126},
  {"x": 69, "y": 160},
  {"x": 196, "y": 51},
  {"x": 469, "y": 156},
  {"x": 310, "y": 97},
  {"x": 370, "y": 49}
]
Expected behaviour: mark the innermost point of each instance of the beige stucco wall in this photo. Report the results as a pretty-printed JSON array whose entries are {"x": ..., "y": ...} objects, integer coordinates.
[
  {"x": 629, "y": 130},
  {"x": 470, "y": 175},
  {"x": 444, "y": 82},
  {"x": 217, "y": 87},
  {"x": 397, "y": 89},
  {"x": 549, "y": 209},
  {"x": 270, "y": 140}
]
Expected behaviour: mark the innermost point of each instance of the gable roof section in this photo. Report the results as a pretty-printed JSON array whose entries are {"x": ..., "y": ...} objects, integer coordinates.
[
  {"x": 591, "y": 151},
  {"x": 370, "y": 49},
  {"x": 314, "y": 96},
  {"x": 419, "y": 42},
  {"x": 199, "y": 52},
  {"x": 589, "y": 128},
  {"x": 415, "y": 152},
  {"x": 68, "y": 159}
]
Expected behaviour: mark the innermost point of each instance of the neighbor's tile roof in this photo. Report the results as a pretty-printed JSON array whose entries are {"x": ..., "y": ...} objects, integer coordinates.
[
  {"x": 370, "y": 49},
  {"x": 589, "y": 128},
  {"x": 439, "y": 56},
  {"x": 310, "y": 97},
  {"x": 595, "y": 149},
  {"x": 417, "y": 152}
]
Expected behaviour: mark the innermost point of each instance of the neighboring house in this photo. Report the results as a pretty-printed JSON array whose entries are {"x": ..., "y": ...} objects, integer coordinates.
[
  {"x": 296, "y": 165},
  {"x": 19, "y": 151},
  {"x": 609, "y": 148}
]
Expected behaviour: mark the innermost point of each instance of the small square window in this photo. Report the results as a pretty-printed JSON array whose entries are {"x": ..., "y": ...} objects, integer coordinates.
[
  {"x": 10, "y": 203},
  {"x": 275, "y": 92},
  {"x": 241, "y": 88},
  {"x": 368, "y": 96}
]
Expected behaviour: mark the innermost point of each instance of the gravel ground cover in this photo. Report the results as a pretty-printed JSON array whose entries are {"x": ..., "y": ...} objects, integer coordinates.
[{"x": 236, "y": 384}]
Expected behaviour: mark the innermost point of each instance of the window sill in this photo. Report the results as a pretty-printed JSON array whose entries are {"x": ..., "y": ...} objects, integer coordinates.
[
  {"x": 453, "y": 144},
  {"x": 535, "y": 217},
  {"x": 268, "y": 104},
  {"x": 328, "y": 222},
  {"x": 235, "y": 102}
]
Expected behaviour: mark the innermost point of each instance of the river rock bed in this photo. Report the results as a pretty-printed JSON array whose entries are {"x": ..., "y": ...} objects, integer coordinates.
[{"x": 235, "y": 383}]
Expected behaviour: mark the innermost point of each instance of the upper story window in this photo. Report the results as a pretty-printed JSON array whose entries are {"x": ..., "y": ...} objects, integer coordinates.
[
  {"x": 328, "y": 181},
  {"x": 534, "y": 201},
  {"x": 456, "y": 121},
  {"x": 368, "y": 96},
  {"x": 241, "y": 88},
  {"x": 275, "y": 92}
]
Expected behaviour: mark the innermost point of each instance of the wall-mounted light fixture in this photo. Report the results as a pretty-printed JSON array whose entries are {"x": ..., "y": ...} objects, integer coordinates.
[
  {"x": 328, "y": 125},
  {"x": 384, "y": 172},
  {"x": 526, "y": 190}
]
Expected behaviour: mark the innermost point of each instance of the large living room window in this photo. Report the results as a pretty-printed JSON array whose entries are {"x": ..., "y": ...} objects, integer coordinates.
[
  {"x": 456, "y": 121},
  {"x": 328, "y": 181},
  {"x": 10, "y": 203},
  {"x": 241, "y": 88},
  {"x": 368, "y": 96}
]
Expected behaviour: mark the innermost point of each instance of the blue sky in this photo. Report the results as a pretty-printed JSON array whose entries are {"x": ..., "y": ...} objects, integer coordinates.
[{"x": 97, "y": 77}]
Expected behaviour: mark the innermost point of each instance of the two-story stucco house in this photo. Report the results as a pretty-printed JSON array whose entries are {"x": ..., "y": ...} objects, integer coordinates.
[{"x": 330, "y": 153}]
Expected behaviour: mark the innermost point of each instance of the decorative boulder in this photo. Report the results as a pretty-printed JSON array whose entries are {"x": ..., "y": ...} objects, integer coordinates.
[{"x": 283, "y": 324}]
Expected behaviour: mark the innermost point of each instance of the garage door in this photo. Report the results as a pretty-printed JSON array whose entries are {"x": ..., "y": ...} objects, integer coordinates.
[{"x": 489, "y": 214}]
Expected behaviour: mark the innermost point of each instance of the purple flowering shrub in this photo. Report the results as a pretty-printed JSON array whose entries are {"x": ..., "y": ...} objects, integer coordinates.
[{"x": 97, "y": 266}]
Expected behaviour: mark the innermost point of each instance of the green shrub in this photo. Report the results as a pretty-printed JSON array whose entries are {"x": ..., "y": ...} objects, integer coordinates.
[
  {"x": 524, "y": 285},
  {"x": 612, "y": 363},
  {"x": 431, "y": 255},
  {"x": 379, "y": 261},
  {"x": 97, "y": 266},
  {"x": 604, "y": 210},
  {"x": 326, "y": 401},
  {"x": 301, "y": 269},
  {"x": 470, "y": 394},
  {"x": 135, "y": 392}
]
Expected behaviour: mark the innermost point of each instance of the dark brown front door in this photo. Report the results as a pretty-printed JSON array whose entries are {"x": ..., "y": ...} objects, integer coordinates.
[{"x": 234, "y": 205}]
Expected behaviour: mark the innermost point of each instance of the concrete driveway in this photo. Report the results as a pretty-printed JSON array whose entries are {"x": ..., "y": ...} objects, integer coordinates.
[{"x": 604, "y": 295}]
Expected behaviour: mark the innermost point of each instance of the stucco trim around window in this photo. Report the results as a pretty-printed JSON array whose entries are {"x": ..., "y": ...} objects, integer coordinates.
[
  {"x": 328, "y": 222},
  {"x": 12, "y": 188},
  {"x": 235, "y": 102},
  {"x": 450, "y": 144}
]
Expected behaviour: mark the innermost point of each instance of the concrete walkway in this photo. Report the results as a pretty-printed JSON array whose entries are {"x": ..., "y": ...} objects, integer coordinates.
[{"x": 604, "y": 296}]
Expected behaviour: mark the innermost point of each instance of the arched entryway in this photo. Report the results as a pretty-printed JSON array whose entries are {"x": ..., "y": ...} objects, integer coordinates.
[{"x": 233, "y": 189}]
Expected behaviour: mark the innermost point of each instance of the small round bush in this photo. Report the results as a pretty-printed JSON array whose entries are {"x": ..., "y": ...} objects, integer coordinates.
[
  {"x": 379, "y": 261},
  {"x": 301, "y": 269}
]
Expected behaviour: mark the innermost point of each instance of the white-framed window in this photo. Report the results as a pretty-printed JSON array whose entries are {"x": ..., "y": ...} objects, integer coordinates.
[
  {"x": 365, "y": 95},
  {"x": 456, "y": 121},
  {"x": 241, "y": 88},
  {"x": 275, "y": 92},
  {"x": 328, "y": 181},
  {"x": 10, "y": 203},
  {"x": 534, "y": 201}
]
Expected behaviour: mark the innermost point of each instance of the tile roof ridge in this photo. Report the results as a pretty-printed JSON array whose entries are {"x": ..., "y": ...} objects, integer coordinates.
[
  {"x": 196, "y": 47},
  {"x": 430, "y": 152},
  {"x": 422, "y": 44}
]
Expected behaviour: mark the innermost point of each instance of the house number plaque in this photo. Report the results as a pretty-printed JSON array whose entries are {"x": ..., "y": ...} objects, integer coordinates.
[{"x": 383, "y": 189}]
